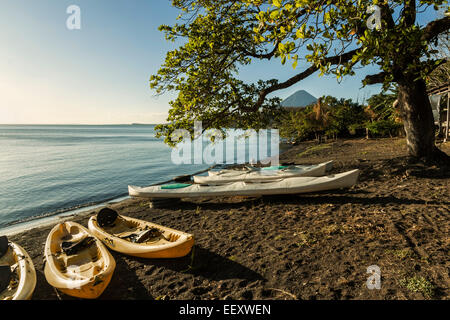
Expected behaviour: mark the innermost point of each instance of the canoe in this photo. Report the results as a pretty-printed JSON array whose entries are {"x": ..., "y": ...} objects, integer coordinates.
[
  {"x": 138, "y": 237},
  {"x": 294, "y": 185},
  {"x": 77, "y": 263},
  {"x": 267, "y": 170},
  {"x": 17, "y": 273},
  {"x": 263, "y": 174}
]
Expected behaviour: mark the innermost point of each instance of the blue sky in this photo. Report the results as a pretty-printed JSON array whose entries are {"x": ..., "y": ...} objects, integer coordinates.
[{"x": 100, "y": 74}]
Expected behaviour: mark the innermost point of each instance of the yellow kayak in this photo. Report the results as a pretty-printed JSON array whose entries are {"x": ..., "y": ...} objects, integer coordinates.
[
  {"x": 17, "y": 273},
  {"x": 139, "y": 238},
  {"x": 77, "y": 263}
]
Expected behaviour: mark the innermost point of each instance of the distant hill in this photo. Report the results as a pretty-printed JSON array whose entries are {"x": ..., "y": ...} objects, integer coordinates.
[{"x": 299, "y": 99}]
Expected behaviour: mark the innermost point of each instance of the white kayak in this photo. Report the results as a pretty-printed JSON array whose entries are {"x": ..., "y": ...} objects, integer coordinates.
[
  {"x": 329, "y": 166},
  {"x": 282, "y": 186},
  {"x": 263, "y": 174}
]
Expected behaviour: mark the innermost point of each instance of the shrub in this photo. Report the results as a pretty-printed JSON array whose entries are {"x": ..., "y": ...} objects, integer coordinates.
[{"x": 383, "y": 128}]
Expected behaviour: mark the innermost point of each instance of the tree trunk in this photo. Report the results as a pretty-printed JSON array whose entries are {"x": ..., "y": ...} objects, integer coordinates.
[{"x": 418, "y": 120}]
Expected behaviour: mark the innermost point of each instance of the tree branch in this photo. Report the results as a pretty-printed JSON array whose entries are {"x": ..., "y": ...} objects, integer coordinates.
[
  {"x": 375, "y": 78},
  {"x": 409, "y": 12},
  {"x": 386, "y": 15},
  {"x": 283, "y": 85},
  {"x": 436, "y": 27},
  {"x": 261, "y": 56}
]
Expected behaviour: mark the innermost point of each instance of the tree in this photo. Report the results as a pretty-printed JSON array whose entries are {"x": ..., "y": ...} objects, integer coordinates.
[
  {"x": 333, "y": 36},
  {"x": 385, "y": 119},
  {"x": 295, "y": 125},
  {"x": 346, "y": 116},
  {"x": 319, "y": 118}
]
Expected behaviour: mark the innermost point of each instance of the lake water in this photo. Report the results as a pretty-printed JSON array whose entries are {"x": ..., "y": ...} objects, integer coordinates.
[{"x": 46, "y": 170}]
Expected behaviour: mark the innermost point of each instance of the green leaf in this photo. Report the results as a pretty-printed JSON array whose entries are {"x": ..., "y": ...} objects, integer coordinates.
[
  {"x": 274, "y": 14},
  {"x": 277, "y": 3}
]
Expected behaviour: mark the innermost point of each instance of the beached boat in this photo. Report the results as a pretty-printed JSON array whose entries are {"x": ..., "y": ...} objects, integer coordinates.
[
  {"x": 294, "y": 185},
  {"x": 77, "y": 263},
  {"x": 328, "y": 167},
  {"x": 17, "y": 273},
  {"x": 250, "y": 174},
  {"x": 139, "y": 238}
]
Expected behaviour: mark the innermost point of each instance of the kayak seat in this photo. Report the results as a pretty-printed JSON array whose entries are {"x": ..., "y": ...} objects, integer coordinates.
[
  {"x": 275, "y": 168},
  {"x": 71, "y": 248},
  {"x": 106, "y": 217},
  {"x": 3, "y": 245},
  {"x": 5, "y": 277},
  {"x": 175, "y": 186},
  {"x": 147, "y": 235},
  {"x": 144, "y": 236}
]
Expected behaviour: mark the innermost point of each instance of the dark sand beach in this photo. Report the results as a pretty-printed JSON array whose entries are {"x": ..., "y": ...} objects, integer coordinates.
[{"x": 310, "y": 246}]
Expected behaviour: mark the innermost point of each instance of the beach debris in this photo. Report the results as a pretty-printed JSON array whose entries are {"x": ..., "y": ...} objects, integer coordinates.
[{"x": 284, "y": 292}]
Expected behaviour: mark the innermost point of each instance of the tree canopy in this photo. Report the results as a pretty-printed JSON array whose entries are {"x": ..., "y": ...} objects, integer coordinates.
[{"x": 328, "y": 36}]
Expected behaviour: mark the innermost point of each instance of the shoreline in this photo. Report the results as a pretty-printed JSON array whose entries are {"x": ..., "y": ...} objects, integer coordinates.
[{"x": 50, "y": 219}]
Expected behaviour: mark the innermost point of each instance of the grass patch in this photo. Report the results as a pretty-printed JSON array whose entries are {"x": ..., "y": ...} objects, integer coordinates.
[
  {"x": 278, "y": 237},
  {"x": 306, "y": 239},
  {"x": 419, "y": 284},
  {"x": 191, "y": 265},
  {"x": 143, "y": 204},
  {"x": 314, "y": 149},
  {"x": 330, "y": 229},
  {"x": 402, "y": 253}
]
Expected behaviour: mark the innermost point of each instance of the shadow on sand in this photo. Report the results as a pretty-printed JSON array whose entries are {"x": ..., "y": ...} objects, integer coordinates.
[{"x": 202, "y": 262}]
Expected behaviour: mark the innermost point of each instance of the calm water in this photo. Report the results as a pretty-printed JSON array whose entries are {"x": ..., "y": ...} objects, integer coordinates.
[{"x": 47, "y": 169}]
